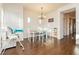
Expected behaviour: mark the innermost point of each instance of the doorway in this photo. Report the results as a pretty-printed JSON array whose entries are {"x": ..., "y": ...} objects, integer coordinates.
[{"x": 69, "y": 23}]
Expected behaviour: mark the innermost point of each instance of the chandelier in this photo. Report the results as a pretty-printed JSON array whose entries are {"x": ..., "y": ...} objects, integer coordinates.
[{"x": 42, "y": 16}]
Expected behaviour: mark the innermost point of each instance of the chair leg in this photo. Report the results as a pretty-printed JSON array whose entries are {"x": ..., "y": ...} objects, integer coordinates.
[
  {"x": 33, "y": 38},
  {"x": 3, "y": 51},
  {"x": 43, "y": 38},
  {"x": 46, "y": 35},
  {"x": 21, "y": 44},
  {"x": 39, "y": 37}
]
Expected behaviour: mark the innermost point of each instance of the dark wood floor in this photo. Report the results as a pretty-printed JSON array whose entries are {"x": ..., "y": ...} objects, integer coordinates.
[{"x": 64, "y": 46}]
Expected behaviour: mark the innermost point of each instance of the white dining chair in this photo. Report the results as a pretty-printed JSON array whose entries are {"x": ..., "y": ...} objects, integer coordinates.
[
  {"x": 11, "y": 36},
  {"x": 48, "y": 32},
  {"x": 41, "y": 33}
]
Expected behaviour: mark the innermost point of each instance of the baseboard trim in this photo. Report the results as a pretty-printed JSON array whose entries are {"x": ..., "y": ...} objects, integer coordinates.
[
  {"x": 7, "y": 49},
  {"x": 11, "y": 47}
]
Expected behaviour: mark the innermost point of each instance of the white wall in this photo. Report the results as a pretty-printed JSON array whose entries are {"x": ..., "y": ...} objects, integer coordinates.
[
  {"x": 34, "y": 21},
  {"x": 0, "y": 26},
  {"x": 13, "y": 15},
  {"x": 51, "y": 25},
  {"x": 77, "y": 24},
  {"x": 77, "y": 19},
  {"x": 0, "y": 15}
]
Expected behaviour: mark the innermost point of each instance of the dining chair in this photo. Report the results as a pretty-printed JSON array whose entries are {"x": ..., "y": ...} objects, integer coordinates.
[
  {"x": 10, "y": 35},
  {"x": 41, "y": 34}
]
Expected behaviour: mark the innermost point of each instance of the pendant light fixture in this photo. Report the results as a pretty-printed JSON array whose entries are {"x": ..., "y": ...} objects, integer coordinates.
[{"x": 42, "y": 16}]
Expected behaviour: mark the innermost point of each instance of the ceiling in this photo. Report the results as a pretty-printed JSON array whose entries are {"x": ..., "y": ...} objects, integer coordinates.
[
  {"x": 36, "y": 7},
  {"x": 47, "y": 7}
]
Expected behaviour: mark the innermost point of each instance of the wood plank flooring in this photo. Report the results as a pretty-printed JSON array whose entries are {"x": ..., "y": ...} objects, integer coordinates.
[{"x": 64, "y": 46}]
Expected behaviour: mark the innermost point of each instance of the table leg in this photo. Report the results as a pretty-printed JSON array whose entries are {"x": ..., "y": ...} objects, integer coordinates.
[
  {"x": 33, "y": 37},
  {"x": 39, "y": 37}
]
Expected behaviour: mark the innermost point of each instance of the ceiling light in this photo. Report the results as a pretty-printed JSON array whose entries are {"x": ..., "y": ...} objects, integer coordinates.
[{"x": 42, "y": 16}]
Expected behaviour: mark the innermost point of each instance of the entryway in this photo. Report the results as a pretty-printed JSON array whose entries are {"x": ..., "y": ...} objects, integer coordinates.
[{"x": 69, "y": 23}]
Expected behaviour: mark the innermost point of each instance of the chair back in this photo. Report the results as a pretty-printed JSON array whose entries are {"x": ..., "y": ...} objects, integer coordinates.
[{"x": 9, "y": 31}]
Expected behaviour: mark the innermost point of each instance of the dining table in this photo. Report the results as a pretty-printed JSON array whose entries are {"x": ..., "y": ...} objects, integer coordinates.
[{"x": 34, "y": 34}]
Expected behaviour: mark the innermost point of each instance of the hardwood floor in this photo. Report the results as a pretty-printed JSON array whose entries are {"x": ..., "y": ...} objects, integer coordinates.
[{"x": 51, "y": 46}]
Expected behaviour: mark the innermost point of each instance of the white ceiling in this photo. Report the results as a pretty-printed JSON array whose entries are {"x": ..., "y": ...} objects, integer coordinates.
[
  {"x": 47, "y": 7},
  {"x": 36, "y": 7}
]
